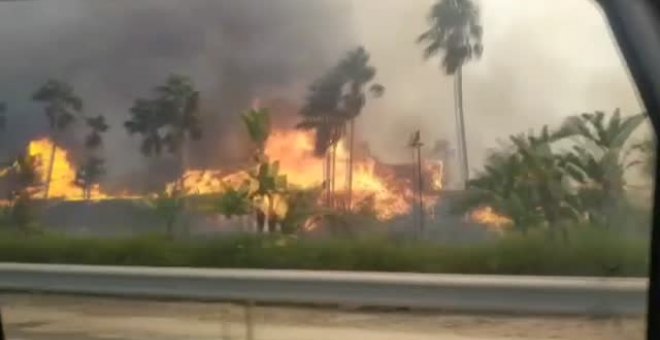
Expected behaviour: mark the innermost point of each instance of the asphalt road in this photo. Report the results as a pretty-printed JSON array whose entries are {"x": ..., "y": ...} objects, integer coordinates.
[{"x": 35, "y": 317}]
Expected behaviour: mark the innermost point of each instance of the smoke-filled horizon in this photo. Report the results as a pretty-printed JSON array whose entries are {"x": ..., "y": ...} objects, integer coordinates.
[
  {"x": 543, "y": 60},
  {"x": 115, "y": 51}
]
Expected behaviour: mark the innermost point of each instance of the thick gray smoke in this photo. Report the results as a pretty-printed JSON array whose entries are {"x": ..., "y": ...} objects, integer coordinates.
[
  {"x": 115, "y": 51},
  {"x": 543, "y": 61}
]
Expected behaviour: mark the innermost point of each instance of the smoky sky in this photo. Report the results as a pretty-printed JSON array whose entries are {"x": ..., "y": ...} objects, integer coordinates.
[
  {"x": 543, "y": 60},
  {"x": 115, "y": 51}
]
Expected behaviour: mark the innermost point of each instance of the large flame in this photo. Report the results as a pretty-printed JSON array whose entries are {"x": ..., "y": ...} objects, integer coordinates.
[
  {"x": 63, "y": 173},
  {"x": 294, "y": 150},
  {"x": 383, "y": 191}
]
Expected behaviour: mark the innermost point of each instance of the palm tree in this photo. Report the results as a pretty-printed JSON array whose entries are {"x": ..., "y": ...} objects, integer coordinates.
[
  {"x": 168, "y": 120},
  {"x": 93, "y": 169},
  {"x": 358, "y": 73},
  {"x": 323, "y": 114},
  {"x": 334, "y": 101},
  {"x": 456, "y": 31},
  {"x": 61, "y": 106},
  {"x": 89, "y": 174},
  {"x": 97, "y": 125}
]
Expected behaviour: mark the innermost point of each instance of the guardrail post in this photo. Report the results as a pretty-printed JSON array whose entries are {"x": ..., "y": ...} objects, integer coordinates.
[{"x": 249, "y": 322}]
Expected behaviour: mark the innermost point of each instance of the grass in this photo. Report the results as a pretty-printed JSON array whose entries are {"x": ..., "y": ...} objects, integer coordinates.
[{"x": 587, "y": 252}]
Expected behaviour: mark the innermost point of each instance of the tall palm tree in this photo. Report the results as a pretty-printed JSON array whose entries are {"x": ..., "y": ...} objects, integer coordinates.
[
  {"x": 333, "y": 102},
  {"x": 323, "y": 114},
  {"x": 167, "y": 120},
  {"x": 61, "y": 106},
  {"x": 358, "y": 74},
  {"x": 455, "y": 31}
]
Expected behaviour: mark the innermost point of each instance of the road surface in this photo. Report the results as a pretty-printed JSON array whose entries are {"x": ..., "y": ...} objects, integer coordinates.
[{"x": 35, "y": 317}]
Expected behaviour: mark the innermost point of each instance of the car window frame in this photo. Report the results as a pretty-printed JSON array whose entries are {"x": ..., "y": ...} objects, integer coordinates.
[{"x": 635, "y": 25}]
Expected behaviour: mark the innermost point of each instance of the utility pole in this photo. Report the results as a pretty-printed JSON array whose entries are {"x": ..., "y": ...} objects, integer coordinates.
[{"x": 416, "y": 145}]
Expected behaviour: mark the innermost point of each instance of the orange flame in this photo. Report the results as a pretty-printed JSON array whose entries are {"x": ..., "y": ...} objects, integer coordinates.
[
  {"x": 487, "y": 216},
  {"x": 294, "y": 150},
  {"x": 63, "y": 173},
  {"x": 388, "y": 195}
]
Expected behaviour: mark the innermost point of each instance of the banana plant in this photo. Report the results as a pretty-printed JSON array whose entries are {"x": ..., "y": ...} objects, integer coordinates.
[{"x": 267, "y": 188}]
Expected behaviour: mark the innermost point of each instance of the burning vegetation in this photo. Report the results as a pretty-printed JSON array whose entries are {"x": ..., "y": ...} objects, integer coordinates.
[
  {"x": 310, "y": 168},
  {"x": 374, "y": 182}
]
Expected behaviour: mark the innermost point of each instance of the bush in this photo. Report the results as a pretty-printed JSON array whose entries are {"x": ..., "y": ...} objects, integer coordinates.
[{"x": 588, "y": 252}]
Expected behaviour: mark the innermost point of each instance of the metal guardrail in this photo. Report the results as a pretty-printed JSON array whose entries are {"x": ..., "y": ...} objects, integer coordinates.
[{"x": 459, "y": 293}]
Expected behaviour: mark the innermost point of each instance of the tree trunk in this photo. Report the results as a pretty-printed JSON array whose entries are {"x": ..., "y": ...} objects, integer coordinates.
[
  {"x": 333, "y": 197},
  {"x": 326, "y": 186},
  {"x": 414, "y": 179},
  {"x": 420, "y": 189},
  {"x": 461, "y": 125},
  {"x": 51, "y": 164},
  {"x": 183, "y": 166},
  {"x": 260, "y": 219},
  {"x": 349, "y": 181}
]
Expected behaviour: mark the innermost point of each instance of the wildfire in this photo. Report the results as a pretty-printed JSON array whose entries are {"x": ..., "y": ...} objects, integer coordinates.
[
  {"x": 63, "y": 174},
  {"x": 388, "y": 195},
  {"x": 294, "y": 150},
  {"x": 490, "y": 218}
]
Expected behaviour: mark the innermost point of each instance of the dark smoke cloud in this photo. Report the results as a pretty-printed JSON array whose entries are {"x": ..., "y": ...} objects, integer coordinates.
[{"x": 115, "y": 51}]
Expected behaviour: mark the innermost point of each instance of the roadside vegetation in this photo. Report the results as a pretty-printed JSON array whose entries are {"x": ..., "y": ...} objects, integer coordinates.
[{"x": 590, "y": 252}]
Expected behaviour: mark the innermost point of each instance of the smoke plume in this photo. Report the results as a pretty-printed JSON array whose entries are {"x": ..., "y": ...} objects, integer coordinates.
[
  {"x": 115, "y": 51},
  {"x": 543, "y": 61}
]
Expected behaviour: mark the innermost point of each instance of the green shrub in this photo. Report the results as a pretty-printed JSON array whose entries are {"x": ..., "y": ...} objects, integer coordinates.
[{"x": 587, "y": 252}]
